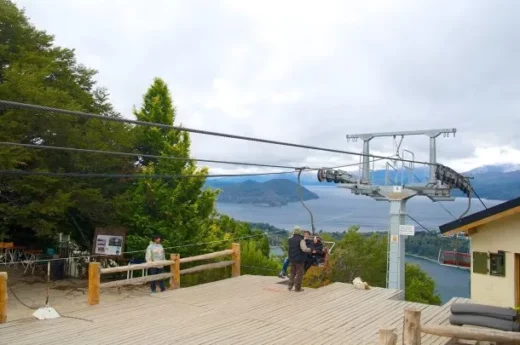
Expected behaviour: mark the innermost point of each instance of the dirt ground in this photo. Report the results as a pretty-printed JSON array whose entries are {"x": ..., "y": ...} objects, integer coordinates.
[{"x": 27, "y": 293}]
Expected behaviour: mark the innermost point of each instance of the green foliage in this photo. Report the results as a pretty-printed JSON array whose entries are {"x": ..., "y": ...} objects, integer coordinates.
[
  {"x": 420, "y": 287},
  {"x": 34, "y": 70},
  {"x": 429, "y": 246},
  {"x": 359, "y": 255},
  {"x": 254, "y": 261}
]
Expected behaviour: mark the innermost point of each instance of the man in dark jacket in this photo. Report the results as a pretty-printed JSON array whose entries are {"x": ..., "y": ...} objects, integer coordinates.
[{"x": 298, "y": 251}]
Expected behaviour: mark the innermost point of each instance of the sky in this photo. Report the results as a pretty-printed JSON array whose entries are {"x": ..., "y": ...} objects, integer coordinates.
[{"x": 310, "y": 73}]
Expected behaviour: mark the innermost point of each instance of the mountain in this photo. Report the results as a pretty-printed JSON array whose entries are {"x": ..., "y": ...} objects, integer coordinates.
[
  {"x": 275, "y": 192},
  {"x": 497, "y": 182}
]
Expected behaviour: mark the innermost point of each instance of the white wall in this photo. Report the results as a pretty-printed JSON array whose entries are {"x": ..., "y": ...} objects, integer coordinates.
[{"x": 503, "y": 234}]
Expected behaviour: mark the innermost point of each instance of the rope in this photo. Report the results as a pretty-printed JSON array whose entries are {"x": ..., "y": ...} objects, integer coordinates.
[{"x": 17, "y": 105}]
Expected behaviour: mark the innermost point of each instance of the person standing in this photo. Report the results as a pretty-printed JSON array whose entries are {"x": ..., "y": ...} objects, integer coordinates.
[
  {"x": 155, "y": 252},
  {"x": 298, "y": 251}
]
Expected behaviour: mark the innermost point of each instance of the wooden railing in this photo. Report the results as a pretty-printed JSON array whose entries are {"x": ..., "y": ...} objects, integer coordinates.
[
  {"x": 95, "y": 271},
  {"x": 3, "y": 297},
  {"x": 412, "y": 330}
]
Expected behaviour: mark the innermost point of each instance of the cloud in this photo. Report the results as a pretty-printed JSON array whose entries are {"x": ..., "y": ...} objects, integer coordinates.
[{"x": 306, "y": 73}]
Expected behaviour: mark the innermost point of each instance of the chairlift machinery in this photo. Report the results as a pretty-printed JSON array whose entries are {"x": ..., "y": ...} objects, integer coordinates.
[{"x": 398, "y": 189}]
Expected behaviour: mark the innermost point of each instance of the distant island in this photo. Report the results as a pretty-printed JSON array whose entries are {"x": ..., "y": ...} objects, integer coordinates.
[{"x": 276, "y": 192}]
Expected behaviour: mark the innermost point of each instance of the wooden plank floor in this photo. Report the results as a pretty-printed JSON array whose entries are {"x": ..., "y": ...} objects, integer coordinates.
[{"x": 246, "y": 310}]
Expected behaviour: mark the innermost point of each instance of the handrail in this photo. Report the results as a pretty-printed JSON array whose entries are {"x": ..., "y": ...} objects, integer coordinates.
[
  {"x": 95, "y": 271},
  {"x": 412, "y": 330}
]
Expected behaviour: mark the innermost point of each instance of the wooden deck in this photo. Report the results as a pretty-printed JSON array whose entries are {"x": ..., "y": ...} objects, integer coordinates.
[{"x": 245, "y": 310}]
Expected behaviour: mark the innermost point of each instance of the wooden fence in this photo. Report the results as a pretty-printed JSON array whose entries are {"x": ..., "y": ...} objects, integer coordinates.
[
  {"x": 412, "y": 330},
  {"x": 95, "y": 271},
  {"x": 3, "y": 297}
]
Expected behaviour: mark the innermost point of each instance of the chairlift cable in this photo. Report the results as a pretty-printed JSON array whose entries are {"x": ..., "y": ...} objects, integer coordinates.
[{"x": 16, "y": 105}]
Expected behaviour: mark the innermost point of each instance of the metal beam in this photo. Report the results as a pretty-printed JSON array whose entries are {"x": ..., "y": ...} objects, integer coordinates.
[{"x": 429, "y": 132}]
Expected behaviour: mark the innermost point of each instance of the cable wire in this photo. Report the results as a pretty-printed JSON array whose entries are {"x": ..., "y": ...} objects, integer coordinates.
[
  {"x": 16, "y": 105},
  {"x": 133, "y": 176},
  {"x": 422, "y": 226},
  {"x": 130, "y": 154},
  {"x": 478, "y": 197}
]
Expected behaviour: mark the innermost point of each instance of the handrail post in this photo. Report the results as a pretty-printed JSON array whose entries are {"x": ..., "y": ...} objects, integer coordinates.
[
  {"x": 235, "y": 269},
  {"x": 3, "y": 297},
  {"x": 175, "y": 267},
  {"x": 94, "y": 280},
  {"x": 412, "y": 327},
  {"x": 387, "y": 336}
]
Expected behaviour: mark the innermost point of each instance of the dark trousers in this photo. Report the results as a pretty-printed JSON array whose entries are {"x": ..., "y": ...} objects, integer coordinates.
[
  {"x": 156, "y": 270},
  {"x": 296, "y": 276}
]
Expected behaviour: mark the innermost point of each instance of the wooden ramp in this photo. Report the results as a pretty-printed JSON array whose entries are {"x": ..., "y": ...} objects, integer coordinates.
[{"x": 243, "y": 310}]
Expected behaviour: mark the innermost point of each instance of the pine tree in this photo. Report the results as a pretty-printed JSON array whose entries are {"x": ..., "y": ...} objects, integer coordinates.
[{"x": 179, "y": 210}]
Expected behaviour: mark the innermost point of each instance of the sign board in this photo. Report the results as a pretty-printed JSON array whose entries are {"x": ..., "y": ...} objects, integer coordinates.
[
  {"x": 406, "y": 230},
  {"x": 109, "y": 241},
  {"x": 394, "y": 239}
]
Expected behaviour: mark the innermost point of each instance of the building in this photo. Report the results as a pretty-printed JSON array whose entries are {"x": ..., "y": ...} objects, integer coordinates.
[{"x": 495, "y": 253}]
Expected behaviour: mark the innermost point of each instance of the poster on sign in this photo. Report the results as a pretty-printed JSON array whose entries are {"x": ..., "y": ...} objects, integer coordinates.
[
  {"x": 406, "y": 230},
  {"x": 109, "y": 241},
  {"x": 109, "y": 245}
]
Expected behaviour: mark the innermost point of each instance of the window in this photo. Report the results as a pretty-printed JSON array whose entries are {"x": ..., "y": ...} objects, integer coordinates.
[
  {"x": 497, "y": 263},
  {"x": 480, "y": 262}
]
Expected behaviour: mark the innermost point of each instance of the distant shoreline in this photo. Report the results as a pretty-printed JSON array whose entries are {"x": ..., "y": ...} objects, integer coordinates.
[{"x": 421, "y": 257}]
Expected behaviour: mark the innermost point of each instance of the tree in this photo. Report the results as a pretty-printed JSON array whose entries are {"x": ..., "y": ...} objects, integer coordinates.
[
  {"x": 34, "y": 70},
  {"x": 358, "y": 255},
  {"x": 177, "y": 209},
  {"x": 420, "y": 287},
  {"x": 254, "y": 261}
]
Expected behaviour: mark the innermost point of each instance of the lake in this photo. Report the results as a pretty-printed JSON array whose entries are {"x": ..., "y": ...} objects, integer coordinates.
[{"x": 337, "y": 209}]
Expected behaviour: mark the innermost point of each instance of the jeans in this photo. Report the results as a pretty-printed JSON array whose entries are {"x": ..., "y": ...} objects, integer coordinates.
[
  {"x": 285, "y": 265},
  {"x": 156, "y": 270}
]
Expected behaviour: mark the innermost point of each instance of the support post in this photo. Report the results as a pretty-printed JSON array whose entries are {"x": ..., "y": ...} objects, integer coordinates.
[
  {"x": 387, "y": 336},
  {"x": 175, "y": 281},
  {"x": 433, "y": 159},
  {"x": 94, "y": 280},
  {"x": 365, "y": 177},
  {"x": 235, "y": 269},
  {"x": 3, "y": 297},
  {"x": 412, "y": 327},
  {"x": 395, "y": 279}
]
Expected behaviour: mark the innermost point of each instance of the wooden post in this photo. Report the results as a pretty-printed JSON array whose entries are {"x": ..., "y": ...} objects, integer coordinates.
[
  {"x": 3, "y": 297},
  {"x": 412, "y": 327},
  {"x": 387, "y": 336},
  {"x": 175, "y": 267},
  {"x": 235, "y": 269},
  {"x": 94, "y": 279}
]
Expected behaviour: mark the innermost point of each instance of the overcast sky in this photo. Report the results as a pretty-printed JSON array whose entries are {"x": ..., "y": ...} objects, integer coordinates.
[{"x": 310, "y": 72}]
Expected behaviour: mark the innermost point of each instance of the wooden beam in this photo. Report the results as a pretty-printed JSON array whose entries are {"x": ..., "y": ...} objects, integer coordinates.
[
  {"x": 235, "y": 270},
  {"x": 387, "y": 336},
  {"x": 472, "y": 231},
  {"x": 467, "y": 333},
  {"x": 412, "y": 327},
  {"x": 127, "y": 268},
  {"x": 94, "y": 278},
  {"x": 207, "y": 256},
  {"x": 206, "y": 267},
  {"x": 480, "y": 222},
  {"x": 137, "y": 281},
  {"x": 3, "y": 297},
  {"x": 175, "y": 281}
]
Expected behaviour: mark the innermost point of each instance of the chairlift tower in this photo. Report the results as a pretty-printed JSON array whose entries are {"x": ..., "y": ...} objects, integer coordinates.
[{"x": 397, "y": 190}]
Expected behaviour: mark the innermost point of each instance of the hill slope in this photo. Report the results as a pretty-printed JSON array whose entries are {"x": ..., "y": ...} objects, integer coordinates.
[
  {"x": 276, "y": 192},
  {"x": 496, "y": 182}
]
